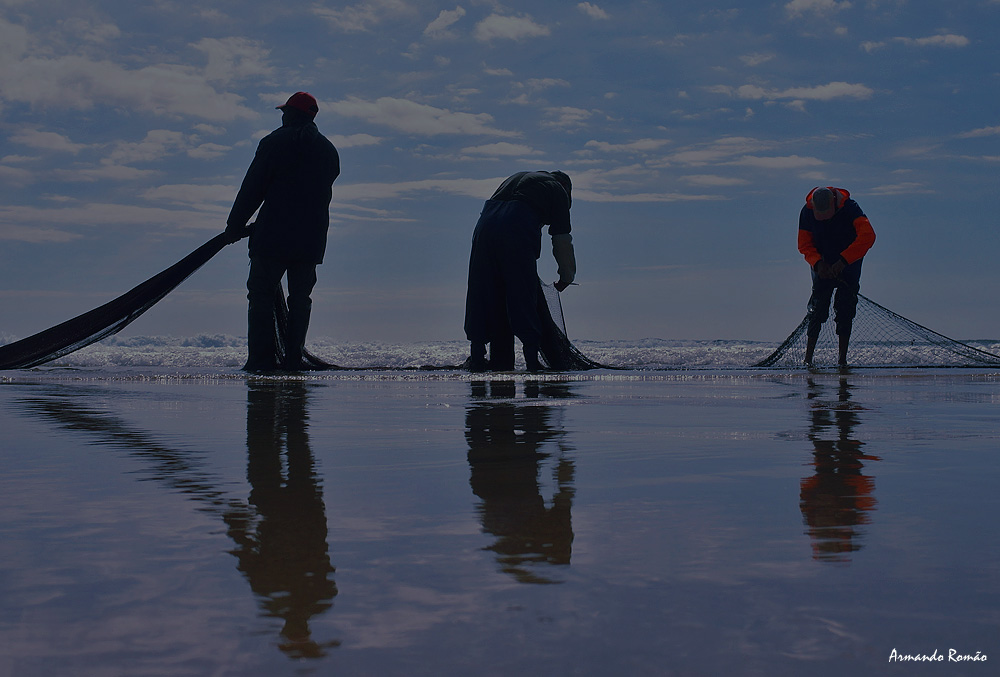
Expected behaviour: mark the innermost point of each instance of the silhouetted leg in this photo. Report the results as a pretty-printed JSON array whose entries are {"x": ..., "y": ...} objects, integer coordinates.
[
  {"x": 301, "y": 280},
  {"x": 265, "y": 274},
  {"x": 502, "y": 350},
  {"x": 810, "y": 347}
]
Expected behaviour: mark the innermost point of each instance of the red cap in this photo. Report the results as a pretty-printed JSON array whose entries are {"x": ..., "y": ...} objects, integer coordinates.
[{"x": 303, "y": 101}]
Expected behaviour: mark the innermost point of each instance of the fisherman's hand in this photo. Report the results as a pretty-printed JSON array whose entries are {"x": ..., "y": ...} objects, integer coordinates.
[
  {"x": 236, "y": 233},
  {"x": 837, "y": 268},
  {"x": 560, "y": 285},
  {"x": 822, "y": 269}
]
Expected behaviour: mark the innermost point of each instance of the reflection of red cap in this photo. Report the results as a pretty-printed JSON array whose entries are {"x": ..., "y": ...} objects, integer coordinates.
[{"x": 303, "y": 101}]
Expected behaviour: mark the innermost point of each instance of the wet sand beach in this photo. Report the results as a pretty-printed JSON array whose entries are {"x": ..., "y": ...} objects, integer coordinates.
[{"x": 436, "y": 523}]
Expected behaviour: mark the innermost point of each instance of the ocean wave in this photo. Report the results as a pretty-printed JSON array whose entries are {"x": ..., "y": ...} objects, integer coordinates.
[{"x": 226, "y": 352}]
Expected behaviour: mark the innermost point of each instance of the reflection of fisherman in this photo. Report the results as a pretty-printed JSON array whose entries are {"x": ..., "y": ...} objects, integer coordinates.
[
  {"x": 283, "y": 552},
  {"x": 505, "y": 454},
  {"x": 838, "y": 498},
  {"x": 290, "y": 180},
  {"x": 502, "y": 300},
  {"x": 834, "y": 236}
]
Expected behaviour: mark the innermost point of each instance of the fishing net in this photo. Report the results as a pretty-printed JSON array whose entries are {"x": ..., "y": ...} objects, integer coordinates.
[
  {"x": 881, "y": 338},
  {"x": 112, "y": 317},
  {"x": 556, "y": 350},
  {"x": 309, "y": 362}
]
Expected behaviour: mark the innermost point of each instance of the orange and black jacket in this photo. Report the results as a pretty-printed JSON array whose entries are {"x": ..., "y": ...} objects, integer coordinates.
[{"x": 847, "y": 234}]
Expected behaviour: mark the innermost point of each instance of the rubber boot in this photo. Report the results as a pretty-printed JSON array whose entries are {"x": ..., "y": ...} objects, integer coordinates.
[
  {"x": 298, "y": 326},
  {"x": 502, "y": 354},
  {"x": 810, "y": 348},
  {"x": 477, "y": 360},
  {"x": 260, "y": 339},
  {"x": 845, "y": 341}
]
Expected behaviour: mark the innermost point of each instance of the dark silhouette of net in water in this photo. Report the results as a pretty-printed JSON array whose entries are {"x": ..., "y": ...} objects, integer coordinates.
[
  {"x": 109, "y": 319},
  {"x": 881, "y": 338}
]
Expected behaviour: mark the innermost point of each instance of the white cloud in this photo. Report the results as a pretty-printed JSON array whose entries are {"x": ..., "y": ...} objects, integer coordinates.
[
  {"x": 713, "y": 180},
  {"x": 833, "y": 90},
  {"x": 445, "y": 20},
  {"x": 157, "y": 144},
  {"x": 101, "y": 215},
  {"x": 232, "y": 59},
  {"x": 944, "y": 40},
  {"x": 354, "y": 140},
  {"x": 567, "y": 116},
  {"x": 34, "y": 138},
  {"x": 536, "y": 84},
  {"x": 982, "y": 131},
  {"x": 106, "y": 172},
  {"x": 501, "y": 148},
  {"x": 498, "y": 27},
  {"x": 936, "y": 41},
  {"x": 476, "y": 188},
  {"x": 75, "y": 82},
  {"x": 363, "y": 16},
  {"x": 596, "y": 196},
  {"x": 718, "y": 151},
  {"x": 787, "y": 162},
  {"x": 898, "y": 189},
  {"x": 190, "y": 194},
  {"x": 800, "y": 7},
  {"x": 15, "y": 176},
  {"x": 90, "y": 31},
  {"x": 756, "y": 59},
  {"x": 410, "y": 117},
  {"x": 639, "y": 146},
  {"x": 592, "y": 10},
  {"x": 208, "y": 151}
]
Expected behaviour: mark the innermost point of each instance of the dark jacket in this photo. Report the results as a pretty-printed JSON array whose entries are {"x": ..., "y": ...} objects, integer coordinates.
[
  {"x": 848, "y": 234},
  {"x": 544, "y": 194},
  {"x": 290, "y": 180}
]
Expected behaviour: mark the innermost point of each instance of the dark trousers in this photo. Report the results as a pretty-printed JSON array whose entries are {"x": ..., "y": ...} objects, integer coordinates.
[
  {"x": 502, "y": 299},
  {"x": 844, "y": 294},
  {"x": 262, "y": 284}
]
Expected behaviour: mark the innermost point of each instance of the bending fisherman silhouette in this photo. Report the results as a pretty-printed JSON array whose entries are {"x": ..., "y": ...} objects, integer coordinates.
[
  {"x": 834, "y": 236},
  {"x": 503, "y": 295}
]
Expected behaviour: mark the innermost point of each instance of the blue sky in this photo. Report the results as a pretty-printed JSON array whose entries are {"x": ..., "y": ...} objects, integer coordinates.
[{"x": 693, "y": 132}]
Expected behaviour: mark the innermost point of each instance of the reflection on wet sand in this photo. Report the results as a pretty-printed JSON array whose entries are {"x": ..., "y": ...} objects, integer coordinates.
[
  {"x": 509, "y": 441},
  {"x": 837, "y": 499},
  {"x": 281, "y": 543},
  {"x": 280, "y": 533}
]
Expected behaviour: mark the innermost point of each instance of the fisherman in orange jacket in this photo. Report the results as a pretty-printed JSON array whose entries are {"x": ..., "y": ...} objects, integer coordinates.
[{"x": 834, "y": 236}]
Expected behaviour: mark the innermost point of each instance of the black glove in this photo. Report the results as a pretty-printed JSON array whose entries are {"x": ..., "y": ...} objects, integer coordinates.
[
  {"x": 822, "y": 269},
  {"x": 837, "y": 267},
  {"x": 237, "y": 233}
]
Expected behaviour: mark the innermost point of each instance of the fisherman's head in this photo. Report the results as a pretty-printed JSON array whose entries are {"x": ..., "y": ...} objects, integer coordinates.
[
  {"x": 564, "y": 181},
  {"x": 301, "y": 107},
  {"x": 824, "y": 204}
]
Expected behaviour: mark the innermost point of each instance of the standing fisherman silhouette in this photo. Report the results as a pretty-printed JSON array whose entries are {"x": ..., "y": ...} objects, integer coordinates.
[{"x": 290, "y": 180}]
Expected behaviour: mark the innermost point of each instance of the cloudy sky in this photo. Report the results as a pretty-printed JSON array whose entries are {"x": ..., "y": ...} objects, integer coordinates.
[{"x": 692, "y": 131}]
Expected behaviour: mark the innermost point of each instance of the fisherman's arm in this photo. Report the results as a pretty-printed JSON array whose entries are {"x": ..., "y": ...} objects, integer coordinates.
[
  {"x": 250, "y": 196},
  {"x": 862, "y": 243},
  {"x": 565, "y": 256}
]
